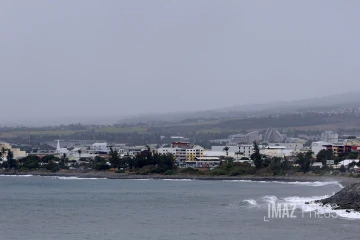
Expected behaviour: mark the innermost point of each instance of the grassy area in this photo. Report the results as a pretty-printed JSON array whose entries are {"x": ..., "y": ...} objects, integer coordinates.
[
  {"x": 216, "y": 130},
  {"x": 13, "y": 134},
  {"x": 40, "y": 133},
  {"x": 121, "y": 130}
]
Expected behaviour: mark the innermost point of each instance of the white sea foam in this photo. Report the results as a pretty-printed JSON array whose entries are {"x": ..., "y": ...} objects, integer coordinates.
[
  {"x": 247, "y": 181},
  {"x": 310, "y": 184},
  {"x": 142, "y": 179},
  {"x": 307, "y": 205},
  {"x": 75, "y": 178},
  {"x": 269, "y": 199},
  {"x": 182, "y": 180},
  {"x": 16, "y": 175},
  {"x": 251, "y": 202}
]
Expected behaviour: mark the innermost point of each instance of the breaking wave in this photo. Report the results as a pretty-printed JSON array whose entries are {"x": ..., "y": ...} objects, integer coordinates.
[
  {"x": 75, "y": 178},
  {"x": 141, "y": 179},
  {"x": 16, "y": 175},
  {"x": 269, "y": 199},
  {"x": 181, "y": 180},
  {"x": 251, "y": 202},
  {"x": 306, "y": 205},
  {"x": 311, "y": 184}
]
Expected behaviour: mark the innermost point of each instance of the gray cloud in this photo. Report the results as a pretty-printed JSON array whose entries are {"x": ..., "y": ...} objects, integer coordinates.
[{"x": 76, "y": 60}]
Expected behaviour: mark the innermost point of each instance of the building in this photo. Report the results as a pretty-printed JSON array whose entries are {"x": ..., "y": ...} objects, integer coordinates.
[
  {"x": 181, "y": 145},
  {"x": 316, "y": 147},
  {"x": 338, "y": 148},
  {"x": 167, "y": 150},
  {"x": 276, "y": 151},
  {"x": 245, "y": 138},
  {"x": 195, "y": 152},
  {"x": 246, "y": 150},
  {"x": 292, "y": 146},
  {"x": 183, "y": 154},
  {"x": 17, "y": 153},
  {"x": 346, "y": 162},
  {"x": 273, "y": 135},
  {"x": 329, "y": 136},
  {"x": 101, "y": 148},
  {"x": 202, "y": 162}
]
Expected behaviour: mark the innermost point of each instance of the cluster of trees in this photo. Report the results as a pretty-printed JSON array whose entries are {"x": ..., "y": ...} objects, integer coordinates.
[
  {"x": 32, "y": 162},
  {"x": 11, "y": 162},
  {"x": 275, "y": 164},
  {"x": 324, "y": 155},
  {"x": 162, "y": 162}
]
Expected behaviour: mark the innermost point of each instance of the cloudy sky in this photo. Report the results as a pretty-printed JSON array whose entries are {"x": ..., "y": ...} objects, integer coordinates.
[{"x": 83, "y": 59}]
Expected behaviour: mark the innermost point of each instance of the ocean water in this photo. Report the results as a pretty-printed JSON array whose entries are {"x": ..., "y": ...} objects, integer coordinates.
[{"x": 38, "y": 208}]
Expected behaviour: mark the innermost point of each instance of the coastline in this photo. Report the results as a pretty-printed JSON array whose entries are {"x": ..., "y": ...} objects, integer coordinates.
[{"x": 110, "y": 175}]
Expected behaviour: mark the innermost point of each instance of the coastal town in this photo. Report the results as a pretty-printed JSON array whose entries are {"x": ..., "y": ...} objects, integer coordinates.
[{"x": 267, "y": 149}]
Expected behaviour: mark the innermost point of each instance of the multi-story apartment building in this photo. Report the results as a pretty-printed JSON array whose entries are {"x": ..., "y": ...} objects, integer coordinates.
[
  {"x": 330, "y": 136},
  {"x": 194, "y": 152}
]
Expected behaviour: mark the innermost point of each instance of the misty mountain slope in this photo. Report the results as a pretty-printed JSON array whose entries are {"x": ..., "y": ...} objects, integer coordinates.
[{"x": 328, "y": 103}]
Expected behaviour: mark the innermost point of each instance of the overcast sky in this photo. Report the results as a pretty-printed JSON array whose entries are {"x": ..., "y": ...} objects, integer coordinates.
[{"x": 78, "y": 59}]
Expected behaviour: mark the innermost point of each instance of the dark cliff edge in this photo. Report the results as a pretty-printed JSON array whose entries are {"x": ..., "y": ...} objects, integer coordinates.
[{"x": 347, "y": 198}]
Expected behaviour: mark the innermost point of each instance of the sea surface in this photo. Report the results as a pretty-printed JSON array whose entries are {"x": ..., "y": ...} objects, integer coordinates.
[{"x": 34, "y": 207}]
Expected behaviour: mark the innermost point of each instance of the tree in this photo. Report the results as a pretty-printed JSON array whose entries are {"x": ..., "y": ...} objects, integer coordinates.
[
  {"x": 226, "y": 149},
  {"x": 3, "y": 151},
  {"x": 276, "y": 165},
  {"x": 256, "y": 156},
  {"x": 52, "y": 166},
  {"x": 238, "y": 153},
  {"x": 63, "y": 160},
  {"x": 11, "y": 162},
  {"x": 49, "y": 158},
  {"x": 30, "y": 162},
  {"x": 100, "y": 164},
  {"x": 305, "y": 161},
  {"x": 114, "y": 159},
  {"x": 324, "y": 155}
]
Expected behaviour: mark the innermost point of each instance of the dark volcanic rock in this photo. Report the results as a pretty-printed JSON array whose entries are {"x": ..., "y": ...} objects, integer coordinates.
[{"x": 347, "y": 198}]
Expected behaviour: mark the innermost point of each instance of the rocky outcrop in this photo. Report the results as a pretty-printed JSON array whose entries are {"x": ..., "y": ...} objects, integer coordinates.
[{"x": 347, "y": 198}]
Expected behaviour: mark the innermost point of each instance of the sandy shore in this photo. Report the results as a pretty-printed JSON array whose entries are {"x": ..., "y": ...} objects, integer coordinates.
[{"x": 110, "y": 175}]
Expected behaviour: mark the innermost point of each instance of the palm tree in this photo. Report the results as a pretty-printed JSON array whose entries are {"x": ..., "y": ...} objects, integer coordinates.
[
  {"x": 238, "y": 153},
  {"x": 226, "y": 149}
]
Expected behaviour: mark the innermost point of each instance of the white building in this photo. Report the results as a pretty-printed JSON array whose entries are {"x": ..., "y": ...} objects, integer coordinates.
[
  {"x": 246, "y": 150},
  {"x": 202, "y": 162},
  {"x": 291, "y": 146},
  {"x": 330, "y": 136},
  {"x": 99, "y": 148},
  {"x": 316, "y": 147},
  {"x": 167, "y": 150},
  {"x": 276, "y": 151},
  {"x": 346, "y": 162}
]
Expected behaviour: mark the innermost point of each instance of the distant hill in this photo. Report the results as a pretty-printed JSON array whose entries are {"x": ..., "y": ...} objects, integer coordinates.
[{"x": 328, "y": 103}]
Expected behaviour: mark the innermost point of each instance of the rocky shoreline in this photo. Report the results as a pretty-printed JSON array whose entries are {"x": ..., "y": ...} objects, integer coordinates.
[{"x": 348, "y": 198}]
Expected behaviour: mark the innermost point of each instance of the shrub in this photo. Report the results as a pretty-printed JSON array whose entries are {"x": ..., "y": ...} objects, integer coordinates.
[
  {"x": 169, "y": 172},
  {"x": 189, "y": 170}
]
